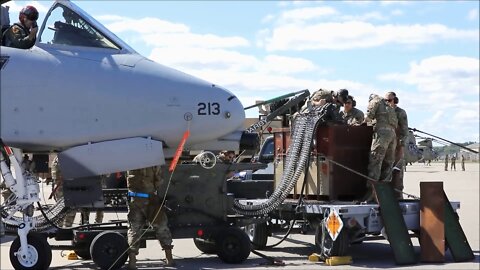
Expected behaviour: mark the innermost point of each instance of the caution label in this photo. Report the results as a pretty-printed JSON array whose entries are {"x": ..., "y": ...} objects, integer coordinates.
[{"x": 334, "y": 224}]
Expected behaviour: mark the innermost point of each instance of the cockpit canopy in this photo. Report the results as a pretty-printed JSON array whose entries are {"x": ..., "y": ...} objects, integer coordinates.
[
  {"x": 66, "y": 27},
  {"x": 67, "y": 24}
]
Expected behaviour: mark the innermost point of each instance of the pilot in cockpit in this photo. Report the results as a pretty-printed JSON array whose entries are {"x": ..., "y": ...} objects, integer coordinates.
[{"x": 23, "y": 34}]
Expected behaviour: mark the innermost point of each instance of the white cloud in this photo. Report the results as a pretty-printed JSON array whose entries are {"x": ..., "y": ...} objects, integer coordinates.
[
  {"x": 15, "y": 7},
  {"x": 444, "y": 75},
  {"x": 357, "y": 34},
  {"x": 203, "y": 58},
  {"x": 397, "y": 12},
  {"x": 369, "y": 16},
  {"x": 232, "y": 61},
  {"x": 156, "y": 32},
  {"x": 287, "y": 65},
  {"x": 303, "y": 14},
  {"x": 359, "y": 3},
  {"x": 268, "y": 18},
  {"x": 473, "y": 14},
  {"x": 467, "y": 115},
  {"x": 392, "y": 2}
]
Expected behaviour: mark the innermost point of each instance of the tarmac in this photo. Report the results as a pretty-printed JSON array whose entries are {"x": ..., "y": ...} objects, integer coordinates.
[{"x": 459, "y": 185}]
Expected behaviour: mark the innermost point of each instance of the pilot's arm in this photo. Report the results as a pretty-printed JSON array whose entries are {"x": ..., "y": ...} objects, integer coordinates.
[{"x": 19, "y": 39}]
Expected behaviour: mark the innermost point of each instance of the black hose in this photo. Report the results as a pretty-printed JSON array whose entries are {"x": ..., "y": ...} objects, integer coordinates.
[{"x": 300, "y": 198}]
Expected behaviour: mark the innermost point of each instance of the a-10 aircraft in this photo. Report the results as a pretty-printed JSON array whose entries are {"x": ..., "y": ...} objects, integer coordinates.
[
  {"x": 82, "y": 92},
  {"x": 85, "y": 93}
]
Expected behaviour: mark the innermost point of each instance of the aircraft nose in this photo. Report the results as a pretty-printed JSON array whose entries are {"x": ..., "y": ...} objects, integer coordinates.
[{"x": 234, "y": 111}]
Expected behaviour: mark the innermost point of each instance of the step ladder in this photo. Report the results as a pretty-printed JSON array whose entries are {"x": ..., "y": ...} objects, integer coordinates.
[
  {"x": 454, "y": 235},
  {"x": 394, "y": 224},
  {"x": 439, "y": 226}
]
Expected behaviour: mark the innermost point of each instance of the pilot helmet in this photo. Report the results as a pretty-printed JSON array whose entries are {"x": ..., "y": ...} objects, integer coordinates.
[{"x": 28, "y": 12}]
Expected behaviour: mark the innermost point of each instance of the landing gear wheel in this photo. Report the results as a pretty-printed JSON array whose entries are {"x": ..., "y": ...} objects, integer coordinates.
[
  {"x": 207, "y": 160},
  {"x": 39, "y": 253},
  {"x": 109, "y": 250},
  {"x": 330, "y": 248},
  {"x": 206, "y": 246},
  {"x": 233, "y": 245},
  {"x": 258, "y": 234}
]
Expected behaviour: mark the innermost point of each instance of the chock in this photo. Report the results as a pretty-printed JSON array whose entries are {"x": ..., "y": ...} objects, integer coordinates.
[
  {"x": 338, "y": 260},
  {"x": 314, "y": 257},
  {"x": 72, "y": 255}
]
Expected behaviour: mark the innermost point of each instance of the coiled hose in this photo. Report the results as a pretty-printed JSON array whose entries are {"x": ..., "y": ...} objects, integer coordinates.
[{"x": 297, "y": 156}]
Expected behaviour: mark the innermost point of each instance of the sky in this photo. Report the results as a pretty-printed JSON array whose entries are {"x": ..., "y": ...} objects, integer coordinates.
[{"x": 425, "y": 51}]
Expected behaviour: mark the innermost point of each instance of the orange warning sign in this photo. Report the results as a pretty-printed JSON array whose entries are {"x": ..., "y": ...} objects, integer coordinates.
[{"x": 334, "y": 224}]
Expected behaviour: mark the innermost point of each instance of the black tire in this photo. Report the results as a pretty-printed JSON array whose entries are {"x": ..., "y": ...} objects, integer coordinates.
[
  {"x": 83, "y": 253},
  {"x": 109, "y": 250},
  {"x": 331, "y": 248},
  {"x": 206, "y": 246},
  {"x": 258, "y": 234},
  {"x": 233, "y": 245},
  {"x": 40, "y": 253}
]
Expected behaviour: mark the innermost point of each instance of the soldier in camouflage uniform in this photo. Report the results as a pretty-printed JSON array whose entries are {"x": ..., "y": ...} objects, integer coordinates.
[
  {"x": 144, "y": 209},
  {"x": 452, "y": 163},
  {"x": 351, "y": 115},
  {"x": 22, "y": 35},
  {"x": 382, "y": 154},
  {"x": 446, "y": 162},
  {"x": 401, "y": 133},
  {"x": 58, "y": 192},
  {"x": 324, "y": 97}
]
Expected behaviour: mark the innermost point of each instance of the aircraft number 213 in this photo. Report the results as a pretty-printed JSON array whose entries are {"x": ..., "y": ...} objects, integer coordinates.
[{"x": 208, "y": 108}]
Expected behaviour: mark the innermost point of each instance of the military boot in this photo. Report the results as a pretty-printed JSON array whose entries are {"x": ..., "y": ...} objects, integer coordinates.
[
  {"x": 132, "y": 261},
  {"x": 169, "y": 257}
]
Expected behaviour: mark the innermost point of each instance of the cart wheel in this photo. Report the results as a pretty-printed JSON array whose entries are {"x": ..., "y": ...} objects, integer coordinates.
[
  {"x": 233, "y": 245},
  {"x": 206, "y": 246},
  {"x": 258, "y": 234},
  {"x": 207, "y": 160},
  {"x": 109, "y": 250},
  {"x": 330, "y": 248},
  {"x": 39, "y": 253}
]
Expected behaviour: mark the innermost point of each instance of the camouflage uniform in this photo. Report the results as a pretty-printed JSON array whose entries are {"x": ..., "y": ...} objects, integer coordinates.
[
  {"x": 462, "y": 159},
  {"x": 354, "y": 117},
  {"x": 58, "y": 180},
  {"x": 142, "y": 211},
  {"x": 402, "y": 139},
  {"x": 382, "y": 154},
  {"x": 452, "y": 163},
  {"x": 323, "y": 94},
  {"x": 446, "y": 162},
  {"x": 17, "y": 37},
  {"x": 332, "y": 111}
]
